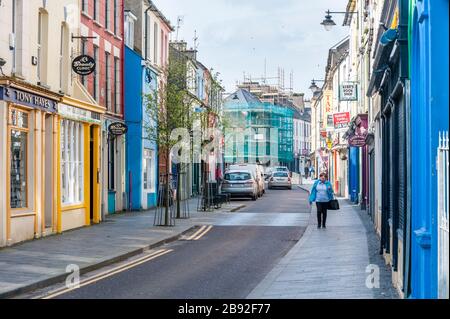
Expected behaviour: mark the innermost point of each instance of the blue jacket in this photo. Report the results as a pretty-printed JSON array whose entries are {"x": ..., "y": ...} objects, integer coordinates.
[{"x": 312, "y": 196}]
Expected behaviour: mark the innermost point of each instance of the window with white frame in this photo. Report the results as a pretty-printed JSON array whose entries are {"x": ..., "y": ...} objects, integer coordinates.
[
  {"x": 117, "y": 86},
  {"x": 84, "y": 5},
  {"x": 72, "y": 162},
  {"x": 107, "y": 14},
  {"x": 129, "y": 29},
  {"x": 148, "y": 177},
  {"x": 96, "y": 10}
]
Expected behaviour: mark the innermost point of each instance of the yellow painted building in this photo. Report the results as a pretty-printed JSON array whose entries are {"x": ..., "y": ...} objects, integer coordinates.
[{"x": 50, "y": 145}]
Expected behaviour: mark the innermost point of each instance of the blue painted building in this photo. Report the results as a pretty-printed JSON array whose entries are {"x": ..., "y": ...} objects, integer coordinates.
[
  {"x": 141, "y": 162},
  {"x": 429, "y": 116}
]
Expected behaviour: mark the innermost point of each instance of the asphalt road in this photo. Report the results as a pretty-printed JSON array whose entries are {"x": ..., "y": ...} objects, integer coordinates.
[{"x": 223, "y": 261}]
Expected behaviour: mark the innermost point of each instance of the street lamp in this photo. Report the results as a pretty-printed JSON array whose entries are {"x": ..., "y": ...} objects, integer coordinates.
[
  {"x": 314, "y": 88},
  {"x": 328, "y": 22}
]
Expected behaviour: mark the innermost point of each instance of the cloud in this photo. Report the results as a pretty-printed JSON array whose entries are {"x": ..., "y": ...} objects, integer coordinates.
[{"x": 237, "y": 36}]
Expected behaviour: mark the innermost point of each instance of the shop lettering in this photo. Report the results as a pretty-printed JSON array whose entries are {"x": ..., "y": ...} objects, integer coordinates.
[{"x": 33, "y": 99}]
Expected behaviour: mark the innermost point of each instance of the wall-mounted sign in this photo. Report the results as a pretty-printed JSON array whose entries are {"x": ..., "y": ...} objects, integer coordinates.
[
  {"x": 83, "y": 65},
  {"x": 77, "y": 114},
  {"x": 117, "y": 128},
  {"x": 18, "y": 96},
  {"x": 330, "y": 125},
  {"x": 341, "y": 120},
  {"x": 327, "y": 106},
  {"x": 348, "y": 92}
]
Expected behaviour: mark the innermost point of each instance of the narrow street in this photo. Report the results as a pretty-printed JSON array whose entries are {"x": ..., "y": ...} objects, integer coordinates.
[{"x": 224, "y": 260}]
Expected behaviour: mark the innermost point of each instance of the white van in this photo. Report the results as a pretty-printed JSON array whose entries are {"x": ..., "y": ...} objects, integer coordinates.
[{"x": 257, "y": 173}]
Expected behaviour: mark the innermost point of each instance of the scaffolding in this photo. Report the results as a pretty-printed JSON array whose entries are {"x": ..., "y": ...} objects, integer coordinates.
[{"x": 258, "y": 132}]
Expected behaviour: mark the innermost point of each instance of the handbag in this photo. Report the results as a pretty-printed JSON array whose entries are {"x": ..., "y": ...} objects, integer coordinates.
[{"x": 333, "y": 204}]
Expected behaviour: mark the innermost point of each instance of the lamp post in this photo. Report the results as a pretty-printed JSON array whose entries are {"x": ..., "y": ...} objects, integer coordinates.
[
  {"x": 314, "y": 88},
  {"x": 328, "y": 22}
]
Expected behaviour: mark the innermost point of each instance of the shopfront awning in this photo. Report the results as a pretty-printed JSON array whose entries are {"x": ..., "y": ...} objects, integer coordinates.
[{"x": 381, "y": 61}]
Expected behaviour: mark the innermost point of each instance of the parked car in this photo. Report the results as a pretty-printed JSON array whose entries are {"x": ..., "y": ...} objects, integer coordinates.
[
  {"x": 240, "y": 183},
  {"x": 257, "y": 173},
  {"x": 280, "y": 179},
  {"x": 283, "y": 169}
]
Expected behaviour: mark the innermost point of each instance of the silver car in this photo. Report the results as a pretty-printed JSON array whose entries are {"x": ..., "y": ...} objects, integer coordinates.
[
  {"x": 240, "y": 183},
  {"x": 280, "y": 179}
]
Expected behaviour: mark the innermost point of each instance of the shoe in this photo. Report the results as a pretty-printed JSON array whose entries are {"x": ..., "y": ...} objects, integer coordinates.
[
  {"x": 318, "y": 226},
  {"x": 324, "y": 226}
]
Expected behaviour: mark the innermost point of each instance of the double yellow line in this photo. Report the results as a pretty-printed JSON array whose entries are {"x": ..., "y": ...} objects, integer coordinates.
[
  {"x": 200, "y": 233},
  {"x": 107, "y": 273}
]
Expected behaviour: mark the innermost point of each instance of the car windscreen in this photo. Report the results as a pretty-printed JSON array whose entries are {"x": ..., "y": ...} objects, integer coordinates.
[
  {"x": 280, "y": 174},
  {"x": 237, "y": 176}
]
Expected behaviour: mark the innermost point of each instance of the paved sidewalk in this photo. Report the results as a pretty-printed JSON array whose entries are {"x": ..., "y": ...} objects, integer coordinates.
[
  {"x": 330, "y": 263},
  {"x": 41, "y": 262}
]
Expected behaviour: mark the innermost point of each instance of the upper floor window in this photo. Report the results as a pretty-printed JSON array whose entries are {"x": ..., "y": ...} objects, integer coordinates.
[
  {"x": 129, "y": 29},
  {"x": 84, "y": 5},
  {"x": 155, "y": 45},
  {"x": 107, "y": 14},
  {"x": 96, "y": 9},
  {"x": 116, "y": 15}
]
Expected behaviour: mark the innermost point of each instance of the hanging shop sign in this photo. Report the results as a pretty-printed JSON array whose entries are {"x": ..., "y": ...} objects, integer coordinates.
[
  {"x": 358, "y": 138},
  {"x": 341, "y": 120},
  {"x": 18, "y": 96},
  {"x": 348, "y": 92},
  {"x": 83, "y": 65},
  {"x": 117, "y": 128},
  {"x": 77, "y": 114}
]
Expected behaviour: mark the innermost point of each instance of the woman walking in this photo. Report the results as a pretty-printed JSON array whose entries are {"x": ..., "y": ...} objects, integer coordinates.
[{"x": 321, "y": 193}]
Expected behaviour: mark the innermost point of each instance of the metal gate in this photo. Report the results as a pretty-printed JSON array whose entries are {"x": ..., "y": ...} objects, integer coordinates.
[{"x": 442, "y": 174}]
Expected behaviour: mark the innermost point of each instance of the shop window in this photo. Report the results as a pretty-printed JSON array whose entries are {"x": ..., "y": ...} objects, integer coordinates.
[
  {"x": 72, "y": 162},
  {"x": 19, "y": 159},
  {"x": 148, "y": 169}
]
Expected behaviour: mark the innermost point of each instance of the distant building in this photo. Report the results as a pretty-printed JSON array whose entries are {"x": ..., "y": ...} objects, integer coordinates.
[{"x": 258, "y": 132}]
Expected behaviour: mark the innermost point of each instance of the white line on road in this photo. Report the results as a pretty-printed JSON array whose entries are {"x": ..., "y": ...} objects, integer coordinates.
[{"x": 108, "y": 273}]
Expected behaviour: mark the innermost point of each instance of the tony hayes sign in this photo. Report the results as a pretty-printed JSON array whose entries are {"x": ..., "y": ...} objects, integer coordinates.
[
  {"x": 348, "y": 92},
  {"x": 341, "y": 120},
  {"x": 18, "y": 96}
]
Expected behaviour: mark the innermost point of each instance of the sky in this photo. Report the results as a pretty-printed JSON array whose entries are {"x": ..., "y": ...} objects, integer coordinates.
[{"x": 237, "y": 36}]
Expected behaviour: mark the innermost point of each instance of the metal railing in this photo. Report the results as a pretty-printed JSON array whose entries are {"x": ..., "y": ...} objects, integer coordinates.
[{"x": 443, "y": 208}]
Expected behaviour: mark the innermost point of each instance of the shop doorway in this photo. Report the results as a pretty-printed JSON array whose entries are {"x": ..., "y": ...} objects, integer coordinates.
[
  {"x": 48, "y": 174},
  {"x": 92, "y": 175}
]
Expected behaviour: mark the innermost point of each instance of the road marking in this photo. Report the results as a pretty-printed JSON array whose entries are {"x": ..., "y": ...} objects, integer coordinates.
[
  {"x": 108, "y": 273},
  {"x": 196, "y": 233},
  {"x": 203, "y": 233}
]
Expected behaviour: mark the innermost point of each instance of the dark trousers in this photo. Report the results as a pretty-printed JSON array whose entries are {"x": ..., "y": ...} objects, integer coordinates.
[{"x": 321, "y": 213}]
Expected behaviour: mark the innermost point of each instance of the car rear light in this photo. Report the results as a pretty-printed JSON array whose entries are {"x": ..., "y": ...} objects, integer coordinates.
[
  {"x": 271, "y": 179},
  {"x": 289, "y": 179},
  {"x": 249, "y": 184}
]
